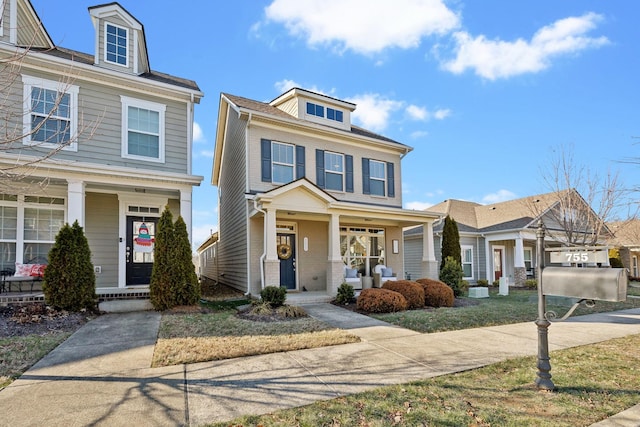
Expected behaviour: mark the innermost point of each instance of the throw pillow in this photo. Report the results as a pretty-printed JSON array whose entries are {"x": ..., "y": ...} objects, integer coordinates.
[
  {"x": 352, "y": 273},
  {"x": 23, "y": 270},
  {"x": 387, "y": 272},
  {"x": 37, "y": 270}
]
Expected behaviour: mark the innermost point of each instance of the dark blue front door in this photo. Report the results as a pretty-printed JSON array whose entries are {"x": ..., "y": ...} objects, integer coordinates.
[{"x": 287, "y": 255}]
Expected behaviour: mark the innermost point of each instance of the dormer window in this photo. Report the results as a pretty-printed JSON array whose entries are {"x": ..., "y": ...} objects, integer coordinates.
[
  {"x": 315, "y": 109},
  {"x": 116, "y": 44},
  {"x": 334, "y": 115}
]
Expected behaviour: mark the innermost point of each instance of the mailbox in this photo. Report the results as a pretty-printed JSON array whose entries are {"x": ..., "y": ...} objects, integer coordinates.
[{"x": 603, "y": 284}]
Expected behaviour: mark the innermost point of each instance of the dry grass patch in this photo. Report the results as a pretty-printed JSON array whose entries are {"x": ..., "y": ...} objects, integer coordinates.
[{"x": 200, "y": 337}]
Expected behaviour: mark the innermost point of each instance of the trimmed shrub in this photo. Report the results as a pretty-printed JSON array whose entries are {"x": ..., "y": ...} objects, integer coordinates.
[
  {"x": 411, "y": 291},
  {"x": 274, "y": 295},
  {"x": 163, "y": 274},
  {"x": 345, "y": 294},
  {"x": 531, "y": 284},
  {"x": 378, "y": 300},
  {"x": 291, "y": 311},
  {"x": 186, "y": 288},
  {"x": 69, "y": 279},
  {"x": 482, "y": 282},
  {"x": 452, "y": 274},
  {"x": 436, "y": 293}
]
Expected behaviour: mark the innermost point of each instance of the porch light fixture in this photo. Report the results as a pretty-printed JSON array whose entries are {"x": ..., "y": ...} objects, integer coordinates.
[
  {"x": 396, "y": 246},
  {"x": 305, "y": 244}
]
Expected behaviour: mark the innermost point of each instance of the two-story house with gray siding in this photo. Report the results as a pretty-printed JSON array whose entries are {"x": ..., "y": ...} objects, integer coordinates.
[
  {"x": 303, "y": 194},
  {"x": 100, "y": 138}
]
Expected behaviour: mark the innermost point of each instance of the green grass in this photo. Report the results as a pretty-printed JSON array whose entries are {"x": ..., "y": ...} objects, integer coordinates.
[
  {"x": 17, "y": 354},
  {"x": 594, "y": 382},
  {"x": 518, "y": 306}
]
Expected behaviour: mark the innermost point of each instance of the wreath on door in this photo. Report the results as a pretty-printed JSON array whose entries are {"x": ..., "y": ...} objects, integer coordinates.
[{"x": 284, "y": 251}]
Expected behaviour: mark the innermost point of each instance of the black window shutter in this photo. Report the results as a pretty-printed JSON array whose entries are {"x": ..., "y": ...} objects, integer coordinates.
[
  {"x": 391, "y": 187},
  {"x": 349, "y": 174},
  {"x": 300, "y": 166},
  {"x": 366, "y": 187},
  {"x": 265, "y": 154},
  {"x": 320, "y": 168}
]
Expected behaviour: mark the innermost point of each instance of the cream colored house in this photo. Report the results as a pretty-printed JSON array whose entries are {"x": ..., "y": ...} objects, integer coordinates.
[
  {"x": 304, "y": 194},
  {"x": 98, "y": 137}
]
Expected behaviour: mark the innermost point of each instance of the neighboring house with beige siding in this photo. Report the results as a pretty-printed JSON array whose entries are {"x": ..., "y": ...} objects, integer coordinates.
[
  {"x": 496, "y": 240},
  {"x": 626, "y": 238},
  {"x": 119, "y": 137},
  {"x": 303, "y": 194}
]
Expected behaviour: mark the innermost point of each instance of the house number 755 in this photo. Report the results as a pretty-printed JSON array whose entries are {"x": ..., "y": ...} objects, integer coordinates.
[{"x": 577, "y": 257}]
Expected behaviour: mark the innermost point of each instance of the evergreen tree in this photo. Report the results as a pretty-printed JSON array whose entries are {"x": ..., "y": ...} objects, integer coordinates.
[
  {"x": 69, "y": 279},
  {"x": 450, "y": 241},
  {"x": 452, "y": 274},
  {"x": 163, "y": 273},
  {"x": 186, "y": 287}
]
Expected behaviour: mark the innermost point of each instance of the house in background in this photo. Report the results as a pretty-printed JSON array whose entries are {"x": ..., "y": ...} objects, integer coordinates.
[
  {"x": 305, "y": 195},
  {"x": 497, "y": 240},
  {"x": 626, "y": 238},
  {"x": 100, "y": 138}
]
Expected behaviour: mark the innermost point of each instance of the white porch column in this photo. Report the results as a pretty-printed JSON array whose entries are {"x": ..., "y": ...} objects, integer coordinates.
[
  {"x": 519, "y": 255},
  {"x": 334, "y": 238},
  {"x": 270, "y": 235},
  {"x": 75, "y": 199},
  {"x": 429, "y": 262},
  {"x": 186, "y": 210}
]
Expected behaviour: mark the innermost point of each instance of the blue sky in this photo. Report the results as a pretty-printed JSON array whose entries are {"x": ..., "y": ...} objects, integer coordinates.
[{"x": 484, "y": 91}]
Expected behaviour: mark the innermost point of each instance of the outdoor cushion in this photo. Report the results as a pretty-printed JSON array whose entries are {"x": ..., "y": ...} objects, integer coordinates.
[
  {"x": 351, "y": 273},
  {"x": 387, "y": 272},
  {"x": 29, "y": 270}
]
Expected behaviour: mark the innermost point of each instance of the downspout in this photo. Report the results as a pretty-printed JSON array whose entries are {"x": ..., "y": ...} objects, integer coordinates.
[{"x": 264, "y": 245}]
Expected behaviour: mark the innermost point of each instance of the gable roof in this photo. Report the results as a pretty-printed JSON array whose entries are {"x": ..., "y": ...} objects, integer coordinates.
[
  {"x": 626, "y": 233},
  {"x": 509, "y": 215},
  {"x": 268, "y": 109},
  {"x": 49, "y": 48}
]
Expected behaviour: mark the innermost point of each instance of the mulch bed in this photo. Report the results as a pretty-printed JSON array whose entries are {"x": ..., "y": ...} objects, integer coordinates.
[
  {"x": 38, "y": 319},
  {"x": 458, "y": 302}
]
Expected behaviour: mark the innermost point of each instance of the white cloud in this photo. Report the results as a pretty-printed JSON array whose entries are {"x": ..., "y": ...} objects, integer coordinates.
[
  {"x": 418, "y": 206},
  {"x": 200, "y": 233},
  {"x": 417, "y": 113},
  {"x": 363, "y": 27},
  {"x": 198, "y": 135},
  {"x": 373, "y": 111},
  {"x": 499, "y": 196},
  {"x": 419, "y": 134},
  {"x": 442, "y": 113},
  {"x": 284, "y": 85},
  {"x": 494, "y": 59}
]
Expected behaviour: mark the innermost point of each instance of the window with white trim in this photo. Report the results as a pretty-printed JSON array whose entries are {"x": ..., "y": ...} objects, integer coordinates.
[
  {"x": 333, "y": 171},
  {"x": 142, "y": 129},
  {"x": 28, "y": 228},
  {"x": 528, "y": 261},
  {"x": 282, "y": 162},
  {"x": 377, "y": 177},
  {"x": 115, "y": 44},
  {"x": 467, "y": 261},
  {"x": 51, "y": 113}
]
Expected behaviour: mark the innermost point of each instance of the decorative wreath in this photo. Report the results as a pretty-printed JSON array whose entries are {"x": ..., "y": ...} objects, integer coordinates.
[{"x": 284, "y": 251}]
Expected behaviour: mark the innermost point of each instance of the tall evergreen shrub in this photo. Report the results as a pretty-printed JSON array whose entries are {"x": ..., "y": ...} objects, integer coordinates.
[
  {"x": 163, "y": 273},
  {"x": 452, "y": 274},
  {"x": 186, "y": 287},
  {"x": 69, "y": 279},
  {"x": 450, "y": 241}
]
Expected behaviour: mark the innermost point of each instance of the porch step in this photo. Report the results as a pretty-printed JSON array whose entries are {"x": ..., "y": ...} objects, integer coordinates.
[{"x": 125, "y": 305}]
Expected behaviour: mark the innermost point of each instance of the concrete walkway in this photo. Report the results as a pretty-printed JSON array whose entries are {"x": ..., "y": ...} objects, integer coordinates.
[{"x": 101, "y": 375}]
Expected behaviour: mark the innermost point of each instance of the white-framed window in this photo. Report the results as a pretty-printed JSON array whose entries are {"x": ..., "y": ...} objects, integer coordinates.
[
  {"x": 528, "y": 261},
  {"x": 51, "y": 113},
  {"x": 333, "y": 114},
  {"x": 143, "y": 130},
  {"x": 362, "y": 248},
  {"x": 333, "y": 171},
  {"x": 282, "y": 162},
  {"x": 634, "y": 268},
  {"x": 467, "y": 261},
  {"x": 315, "y": 109},
  {"x": 28, "y": 228},
  {"x": 377, "y": 177},
  {"x": 116, "y": 41}
]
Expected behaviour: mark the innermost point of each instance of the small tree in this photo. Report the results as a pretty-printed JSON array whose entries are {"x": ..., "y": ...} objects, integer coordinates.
[
  {"x": 69, "y": 279},
  {"x": 452, "y": 274},
  {"x": 450, "y": 241},
  {"x": 186, "y": 287},
  {"x": 163, "y": 274}
]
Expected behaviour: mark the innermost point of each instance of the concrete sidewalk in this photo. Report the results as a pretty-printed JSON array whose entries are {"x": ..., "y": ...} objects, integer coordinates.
[{"x": 101, "y": 374}]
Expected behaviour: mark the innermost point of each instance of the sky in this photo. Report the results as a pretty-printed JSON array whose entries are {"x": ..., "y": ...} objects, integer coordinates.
[{"x": 487, "y": 93}]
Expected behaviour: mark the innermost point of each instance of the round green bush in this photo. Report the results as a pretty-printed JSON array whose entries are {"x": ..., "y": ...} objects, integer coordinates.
[
  {"x": 411, "y": 291},
  {"x": 345, "y": 294},
  {"x": 274, "y": 295},
  {"x": 436, "y": 293},
  {"x": 378, "y": 300}
]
